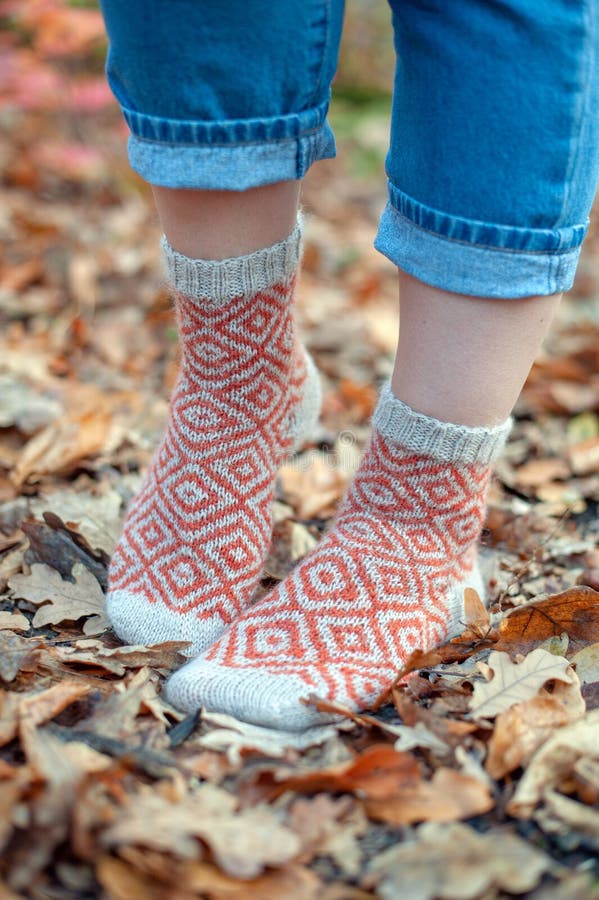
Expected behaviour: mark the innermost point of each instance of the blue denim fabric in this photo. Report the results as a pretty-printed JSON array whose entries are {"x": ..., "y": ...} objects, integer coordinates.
[
  {"x": 224, "y": 95},
  {"x": 494, "y": 152}
]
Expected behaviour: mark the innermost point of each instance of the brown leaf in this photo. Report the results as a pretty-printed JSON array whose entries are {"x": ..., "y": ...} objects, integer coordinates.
[
  {"x": 376, "y": 772},
  {"x": 63, "y": 601},
  {"x": 418, "y": 659},
  {"x": 38, "y": 707},
  {"x": 295, "y": 882},
  {"x": 62, "y": 445},
  {"x": 513, "y": 683},
  {"x": 537, "y": 472},
  {"x": 117, "y": 660},
  {"x": 13, "y": 621},
  {"x": 450, "y": 861},
  {"x": 575, "y": 611},
  {"x": 234, "y": 737},
  {"x": 448, "y": 796},
  {"x": 9, "y": 716},
  {"x": 554, "y": 762},
  {"x": 584, "y": 456},
  {"x": 587, "y": 663},
  {"x": 242, "y": 842},
  {"x": 520, "y": 731},
  {"x": 16, "y": 653},
  {"x": 122, "y": 882}
]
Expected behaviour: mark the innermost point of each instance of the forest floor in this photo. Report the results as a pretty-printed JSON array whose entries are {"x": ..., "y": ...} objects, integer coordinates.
[{"x": 477, "y": 778}]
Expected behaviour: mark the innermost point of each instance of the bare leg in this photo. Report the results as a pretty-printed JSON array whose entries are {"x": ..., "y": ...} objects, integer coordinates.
[
  {"x": 224, "y": 224},
  {"x": 464, "y": 359}
]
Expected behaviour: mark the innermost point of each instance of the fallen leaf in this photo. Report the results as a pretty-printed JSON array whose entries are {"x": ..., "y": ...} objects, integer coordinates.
[
  {"x": 584, "y": 456},
  {"x": 418, "y": 659},
  {"x": 62, "y": 445},
  {"x": 25, "y": 405},
  {"x": 587, "y": 663},
  {"x": 9, "y": 716},
  {"x": 520, "y": 730},
  {"x": 16, "y": 653},
  {"x": 575, "y": 611},
  {"x": 243, "y": 842},
  {"x": 330, "y": 827},
  {"x": 293, "y": 881},
  {"x": 117, "y": 660},
  {"x": 447, "y": 862},
  {"x": 233, "y": 737},
  {"x": 96, "y": 517},
  {"x": 564, "y": 815},
  {"x": 448, "y": 796},
  {"x": 123, "y": 882},
  {"x": 13, "y": 621},
  {"x": 554, "y": 762},
  {"x": 418, "y": 735},
  {"x": 63, "y": 601},
  {"x": 513, "y": 683},
  {"x": 539, "y": 471},
  {"x": 376, "y": 772}
]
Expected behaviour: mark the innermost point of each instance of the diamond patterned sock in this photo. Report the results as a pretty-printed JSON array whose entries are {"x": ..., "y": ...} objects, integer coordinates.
[
  {"x": 388, "y": 578},
  {"x": 197, "y": 534}
]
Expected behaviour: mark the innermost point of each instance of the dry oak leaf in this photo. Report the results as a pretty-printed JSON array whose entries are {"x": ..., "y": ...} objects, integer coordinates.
[
  {"x": 242, "y": 842},
  {"x": 41, "y": 706},
  {"x": 587, "y": 664},
  {"x": 135, "y": 877},
  {"x": 575, "y": 611},
  {"x": 62, "y": 445},
  {"x": 564, "y": 815},
  {"x": 233, "y": 737},
  {"x": 513, "y": 683},
  {"x": 448, "y": 796},
  {"x": 554, "y": 762},
  {"x": 91, "y": 652},
  {"x": 521, "y": 730},
  {"x": 377, "y": 772},
  {"x": 455, "y": 862},
  {"x": 13, "y": 621},
  {"x": 16, "y": 653},
  {"x": 63, "y": 601}
]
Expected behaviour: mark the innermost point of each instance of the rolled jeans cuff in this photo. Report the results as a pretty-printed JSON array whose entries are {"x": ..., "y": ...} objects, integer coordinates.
[
  {"x": 230, "y": 155},
  {"x": 477, "y": 258}
]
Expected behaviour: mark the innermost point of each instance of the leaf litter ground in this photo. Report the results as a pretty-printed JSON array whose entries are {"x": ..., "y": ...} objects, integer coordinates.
[{"x": 475, "y": 777}]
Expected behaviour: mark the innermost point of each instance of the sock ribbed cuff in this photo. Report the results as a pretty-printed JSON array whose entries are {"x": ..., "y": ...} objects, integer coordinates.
[
  {"x": 425, "y": 435},
  {"x": 224, "y": 279}
]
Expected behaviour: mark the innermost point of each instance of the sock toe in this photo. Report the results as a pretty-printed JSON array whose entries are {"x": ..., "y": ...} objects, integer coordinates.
[
  {"x": 135, "y": 620},
  {"x": 248, "y": 694}
]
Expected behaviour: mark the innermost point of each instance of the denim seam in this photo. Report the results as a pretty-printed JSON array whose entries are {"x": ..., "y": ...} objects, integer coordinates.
[
  {"x": 233, "y": 144},
  {"x": 551, "y": 252},
  {"x": 582, "y": 110},
  {"x": 323, "y": 55}
]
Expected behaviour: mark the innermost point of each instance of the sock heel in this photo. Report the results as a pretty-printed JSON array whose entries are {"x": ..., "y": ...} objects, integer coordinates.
[{"x": 307, "y": 414}]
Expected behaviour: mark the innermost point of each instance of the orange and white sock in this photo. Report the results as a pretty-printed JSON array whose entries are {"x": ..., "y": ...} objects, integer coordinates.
[
  {"x": 197, "y": 534},
  {"x": 388, "y": 578}
]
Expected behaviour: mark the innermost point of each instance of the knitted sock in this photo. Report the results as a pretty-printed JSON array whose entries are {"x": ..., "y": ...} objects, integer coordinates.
[
  {"x": 197, "y": 534},
  {"x": 388, "y": 578}
]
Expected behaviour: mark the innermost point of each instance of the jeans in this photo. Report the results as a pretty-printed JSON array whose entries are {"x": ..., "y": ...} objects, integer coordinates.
[{"x": 494, "y": 150}]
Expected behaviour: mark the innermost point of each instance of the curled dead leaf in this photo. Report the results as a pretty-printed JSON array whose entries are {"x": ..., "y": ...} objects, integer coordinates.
[
  {"x": 448, "y": 796},
  {"x": 450, "y": 861},
  {"x": 555, "y": 762},
  {"x": 575, "y": 611}
]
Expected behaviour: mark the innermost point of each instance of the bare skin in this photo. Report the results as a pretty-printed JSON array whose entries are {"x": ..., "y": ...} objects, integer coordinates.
[
  {"x": 465, "y": 359},
  {"x": 224, "y": 224},
  {"x": 460, "y": 359}
]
